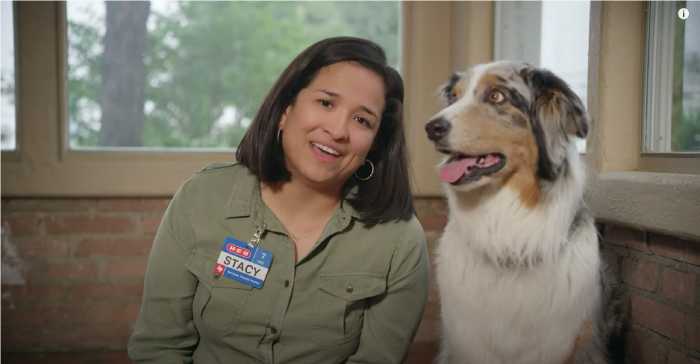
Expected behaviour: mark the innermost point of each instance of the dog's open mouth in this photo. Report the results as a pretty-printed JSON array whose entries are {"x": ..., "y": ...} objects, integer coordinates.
[{"x": 462, "y": 168}]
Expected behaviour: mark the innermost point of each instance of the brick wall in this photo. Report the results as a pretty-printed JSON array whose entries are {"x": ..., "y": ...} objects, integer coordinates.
[
  {"x": 661, "y": 276},
  {"x": 73, "y": 270}
]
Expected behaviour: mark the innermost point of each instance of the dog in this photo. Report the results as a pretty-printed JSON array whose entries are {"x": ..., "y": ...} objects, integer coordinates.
[{"x": 518, "y": 266}]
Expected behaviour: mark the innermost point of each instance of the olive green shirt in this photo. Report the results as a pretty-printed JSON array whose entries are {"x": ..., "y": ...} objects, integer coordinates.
[{"x": 357, "y": 297}]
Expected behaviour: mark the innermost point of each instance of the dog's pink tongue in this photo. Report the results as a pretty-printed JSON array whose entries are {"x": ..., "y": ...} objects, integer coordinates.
[{"x": 453, "y": 171}]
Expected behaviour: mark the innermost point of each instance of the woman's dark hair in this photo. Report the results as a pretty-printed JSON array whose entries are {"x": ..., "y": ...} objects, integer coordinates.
[{"x": 384, "y": 197}]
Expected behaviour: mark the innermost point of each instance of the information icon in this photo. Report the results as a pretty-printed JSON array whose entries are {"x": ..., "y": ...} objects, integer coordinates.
[{"x": 683, "y": 13}]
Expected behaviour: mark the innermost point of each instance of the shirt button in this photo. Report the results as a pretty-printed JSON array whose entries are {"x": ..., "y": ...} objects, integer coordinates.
[
  {"x": 349, "y": 288},
  {"x": 286, "y": 283}
]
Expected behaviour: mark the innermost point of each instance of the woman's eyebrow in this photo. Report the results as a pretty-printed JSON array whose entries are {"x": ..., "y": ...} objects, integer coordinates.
[{"x": 334, "y": 94}]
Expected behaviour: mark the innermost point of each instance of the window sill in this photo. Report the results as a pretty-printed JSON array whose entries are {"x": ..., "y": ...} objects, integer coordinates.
[{"x": 663, "y": 202}]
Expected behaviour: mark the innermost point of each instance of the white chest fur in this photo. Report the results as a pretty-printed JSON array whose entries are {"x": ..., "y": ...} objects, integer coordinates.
[{"x": 514, "y": 286}]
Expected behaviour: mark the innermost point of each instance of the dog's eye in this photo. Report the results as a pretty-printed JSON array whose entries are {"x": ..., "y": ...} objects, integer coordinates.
[{"x": 496, "y": 97}]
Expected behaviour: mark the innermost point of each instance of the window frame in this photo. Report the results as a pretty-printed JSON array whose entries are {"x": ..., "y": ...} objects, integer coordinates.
[
  {"x": 45, "y": 166},
  {"x": 658, "y": 85},
  {"x": 656, "y": 193}
]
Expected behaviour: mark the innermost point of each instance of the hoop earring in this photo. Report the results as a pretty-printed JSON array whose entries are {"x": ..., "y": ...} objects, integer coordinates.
[{"x": 371, "y": 172}]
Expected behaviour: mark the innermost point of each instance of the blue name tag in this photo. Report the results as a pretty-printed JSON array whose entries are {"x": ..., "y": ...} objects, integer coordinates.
[{"x": 243, "y": 262}]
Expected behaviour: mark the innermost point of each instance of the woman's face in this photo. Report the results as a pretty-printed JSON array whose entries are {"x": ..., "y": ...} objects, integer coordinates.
[{"x": 330, "y": 127}]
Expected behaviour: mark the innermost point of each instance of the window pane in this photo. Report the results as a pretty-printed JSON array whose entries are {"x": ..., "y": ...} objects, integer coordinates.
[
  {"x": 7, "y": 77},
  {"x": 549, "y": 34},
  {"x": 685, "y": 128},
  {"x": 192, "y": 74}
]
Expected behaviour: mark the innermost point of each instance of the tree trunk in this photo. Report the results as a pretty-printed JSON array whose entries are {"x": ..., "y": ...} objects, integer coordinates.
[{"x": 124, "y": 74}]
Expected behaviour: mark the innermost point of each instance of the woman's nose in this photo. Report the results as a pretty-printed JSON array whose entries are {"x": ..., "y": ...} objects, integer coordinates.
[{"x": 337, "y": 125}]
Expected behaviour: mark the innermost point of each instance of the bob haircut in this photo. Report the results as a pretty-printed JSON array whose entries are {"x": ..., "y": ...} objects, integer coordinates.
[{"x": 384, "y": 197}]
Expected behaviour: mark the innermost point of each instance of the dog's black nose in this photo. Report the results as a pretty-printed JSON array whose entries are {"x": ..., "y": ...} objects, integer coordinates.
[{"x": 437, "y": 128}]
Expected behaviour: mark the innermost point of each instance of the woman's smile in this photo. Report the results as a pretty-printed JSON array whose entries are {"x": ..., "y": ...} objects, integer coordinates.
[{"x": 325, "y": 153}]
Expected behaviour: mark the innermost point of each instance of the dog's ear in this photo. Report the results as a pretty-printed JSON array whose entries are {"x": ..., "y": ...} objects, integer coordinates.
[{"x": 555, "y": 104}]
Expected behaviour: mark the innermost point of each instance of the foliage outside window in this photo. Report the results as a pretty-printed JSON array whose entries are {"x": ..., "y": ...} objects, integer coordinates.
[
  {"x": 166, "y": 74},
  {"x": 672, "y": 90},
  {"x": 7, "y": 77}
]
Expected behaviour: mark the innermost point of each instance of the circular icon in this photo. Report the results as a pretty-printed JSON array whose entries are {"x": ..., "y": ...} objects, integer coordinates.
[{"x": 683, "y": 13}]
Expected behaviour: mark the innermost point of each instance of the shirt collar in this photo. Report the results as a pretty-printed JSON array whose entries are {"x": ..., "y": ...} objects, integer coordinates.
[
  {"x": 245, "y": 189},
  {"x": 245, "y": 200}
]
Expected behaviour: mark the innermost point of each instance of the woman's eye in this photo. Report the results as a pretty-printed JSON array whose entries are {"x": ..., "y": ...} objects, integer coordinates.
[
  {"x": 496, "y": 97},
  {"x": 363, "y": 121},
  {"x": 325, "y": 103}
]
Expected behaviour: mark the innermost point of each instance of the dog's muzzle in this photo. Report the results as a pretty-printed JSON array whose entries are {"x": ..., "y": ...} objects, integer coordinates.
[{"x": 437, "y": 129}]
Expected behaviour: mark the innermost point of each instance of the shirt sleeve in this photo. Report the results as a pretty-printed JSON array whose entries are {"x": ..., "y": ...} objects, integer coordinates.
[
  {"x": 391, "y": 321},
  {"x": 164, "y": 331}
]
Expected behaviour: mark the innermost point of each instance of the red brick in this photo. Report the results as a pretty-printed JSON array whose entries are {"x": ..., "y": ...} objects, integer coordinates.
[
  {"x": 633, "y": 239},
  {"x": 21, "y": 225},
  {"x": 150, "y": 224},
  {"x": 657, "y": 317},
  {"x": 26, "y": 295},
  {"x": 94, "y": 224},
  {"x": 644, "y": 348},
  {"x": 105, "y": 336},
  {"x": 48, "y": 205},
  {"x": 677, "y": 357},
  {"x": 428, "y": 331},
  {"x": 422, "y": 352},
  {"x": 113, "y": 247},
  {"x": 104, "y": 291},
  {"x": 74, "y": 337},
  {"x": 125, "y": 269},
  {"x": 83, "y": 357},
  {"x": 641, "y": 274},
  {"x": 132, "y": 204},
  {"x": 156, "y": 204},
  {"x": 37, "y": 316},
  {"x": 83, "y": 313},
  {"x": 671, "y": 247},
  {"x": 107, "y": 312},
  {"x": 678, "y": 286},
  {"x": 692, "y": 329},
  {"x": 20, "y": 339},
  {"x": 62, "y": 271},
  {"x": 46, "y": 246}
]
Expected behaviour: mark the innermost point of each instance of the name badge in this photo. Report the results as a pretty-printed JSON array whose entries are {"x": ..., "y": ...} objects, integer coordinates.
[{"x": 243, "y": 262}]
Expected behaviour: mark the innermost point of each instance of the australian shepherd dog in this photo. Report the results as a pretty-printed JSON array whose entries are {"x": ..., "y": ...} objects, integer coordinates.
[{"x": 518, "y": 265}]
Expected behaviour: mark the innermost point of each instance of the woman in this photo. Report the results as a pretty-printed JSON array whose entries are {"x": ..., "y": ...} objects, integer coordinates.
[{"x": 307, "y": 250}]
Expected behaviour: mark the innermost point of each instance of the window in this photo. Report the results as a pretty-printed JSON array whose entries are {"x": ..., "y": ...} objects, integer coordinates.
[
  {"x": 49, "y": 163},
  {"x": 672, "y": 87},
  {"x": 8, "y": 123},
  {"x": 165, "y": 74},
  {"x": 549, "y": 34}
]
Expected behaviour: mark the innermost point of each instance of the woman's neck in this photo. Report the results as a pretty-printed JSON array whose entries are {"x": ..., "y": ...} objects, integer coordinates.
[
  {"x": 297, "y": 202},
  {"x": 303, "y": 211}
]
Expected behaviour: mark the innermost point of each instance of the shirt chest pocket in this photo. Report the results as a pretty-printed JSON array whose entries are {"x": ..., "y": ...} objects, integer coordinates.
[
  {"x": 218, "y": 301},
  {"x": 342, "y": 300}
]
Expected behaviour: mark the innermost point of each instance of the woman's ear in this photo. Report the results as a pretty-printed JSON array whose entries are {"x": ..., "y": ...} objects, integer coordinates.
[{"x": 283, "y": 119}]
